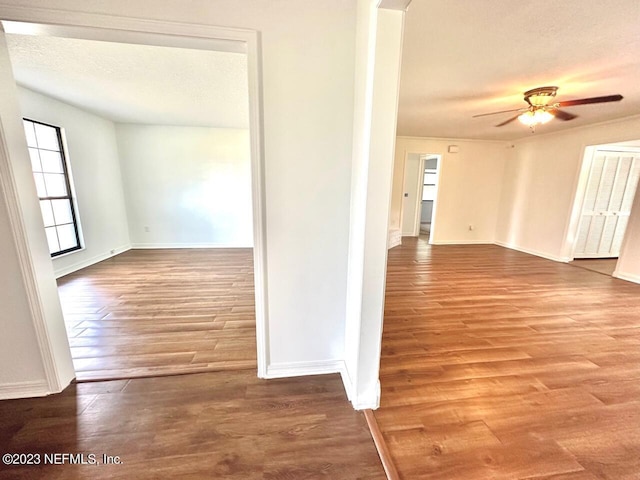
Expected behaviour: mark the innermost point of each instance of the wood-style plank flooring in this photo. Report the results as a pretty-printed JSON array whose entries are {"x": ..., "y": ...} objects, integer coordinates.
[
  {"x": 606, "y": 266},
  {"x": 501, "y": 365},
  {"x": 160, "y": 312},
  {"x": 220, "y": 425}
]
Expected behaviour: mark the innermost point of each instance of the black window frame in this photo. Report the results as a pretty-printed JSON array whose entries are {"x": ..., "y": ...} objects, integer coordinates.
[{"x": 67, "y": 180}]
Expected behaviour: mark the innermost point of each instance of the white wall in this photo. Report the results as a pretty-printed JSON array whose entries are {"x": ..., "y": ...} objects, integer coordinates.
[
  {"x": 469, "y": 187},
  {"x": 23, "y": 297},
  {"x": 540, "y": 183},
  {"x": 95, "y": 169},
  {"x": 628, "y": 266},
  {"x": 189, "y": 186},
  {"x": 307, "y": 116}
]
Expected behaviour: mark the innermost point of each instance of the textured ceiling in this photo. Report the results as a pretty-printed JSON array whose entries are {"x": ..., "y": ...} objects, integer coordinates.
[
  {"x": 136, "y": 83},
  {"x": 464, "y": 57}
]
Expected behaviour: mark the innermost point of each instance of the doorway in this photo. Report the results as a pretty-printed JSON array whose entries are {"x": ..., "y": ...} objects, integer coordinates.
[
  {"x": 421, "y": 176},
  {"x": 606, "y": 197},
  {"x": 244, "y": 42}
]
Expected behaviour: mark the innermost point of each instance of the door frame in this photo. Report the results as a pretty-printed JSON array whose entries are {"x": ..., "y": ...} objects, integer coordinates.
[
  {"x": 44, "y": 21},
  {"x": 581, "y": 190},
  {"x": 418, "y": 205},
  {"x": 423, "y": 161}
]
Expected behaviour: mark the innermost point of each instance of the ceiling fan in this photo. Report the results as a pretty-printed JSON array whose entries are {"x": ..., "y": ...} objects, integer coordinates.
[{"x": 540, "y": 109}]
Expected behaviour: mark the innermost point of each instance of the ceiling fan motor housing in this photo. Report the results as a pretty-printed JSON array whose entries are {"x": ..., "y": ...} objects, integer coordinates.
[{"x": 541, "y": 96}]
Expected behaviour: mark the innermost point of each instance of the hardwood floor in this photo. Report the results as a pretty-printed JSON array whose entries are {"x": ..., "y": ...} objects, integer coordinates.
[
  {"x": 221, "y": 425},
  {"x": 502, "y": 365},
  {"x": 606, "y": 266},
  {"x": 161, "y": 312}
]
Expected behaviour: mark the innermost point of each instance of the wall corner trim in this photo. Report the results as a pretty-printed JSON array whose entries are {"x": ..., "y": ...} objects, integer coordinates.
[
  {"x": 395, "y": 238},
  {"x": 368, "y": 403},
  {"x": 37, "y": 388}
]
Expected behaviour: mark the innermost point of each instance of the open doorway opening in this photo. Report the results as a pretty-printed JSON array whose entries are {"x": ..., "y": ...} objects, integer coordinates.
[
  {"x": 610, "y": 180},
  {"x": 420, "y": 194},
  {"x": 161, "y": 187}
]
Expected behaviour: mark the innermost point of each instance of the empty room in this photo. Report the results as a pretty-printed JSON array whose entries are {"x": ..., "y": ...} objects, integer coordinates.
[
  {"x": 141, "y": 160},
  {"x": 502, "y": 357}
]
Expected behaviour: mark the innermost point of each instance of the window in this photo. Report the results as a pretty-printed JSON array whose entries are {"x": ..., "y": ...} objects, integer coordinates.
[{"x": 53, "y": 186}]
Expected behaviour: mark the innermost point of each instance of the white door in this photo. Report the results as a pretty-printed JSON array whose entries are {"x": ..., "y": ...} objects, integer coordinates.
[
  {"x": 411, "y": 191},
  {"x": 612, "y": 184}
]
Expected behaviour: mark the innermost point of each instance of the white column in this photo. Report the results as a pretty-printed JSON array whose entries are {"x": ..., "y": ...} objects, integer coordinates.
[{"x": 378, "y": 57}]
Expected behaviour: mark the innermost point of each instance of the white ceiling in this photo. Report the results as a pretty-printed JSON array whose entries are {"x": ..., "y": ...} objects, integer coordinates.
[
  {"x": 465, "y": 57},
  {"x": 460, "y": 58},
  {"x": 136, "y": 83}
]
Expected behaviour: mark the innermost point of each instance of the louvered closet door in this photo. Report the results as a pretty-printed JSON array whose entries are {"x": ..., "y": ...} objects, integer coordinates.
[{"x": 612, "y": 184}]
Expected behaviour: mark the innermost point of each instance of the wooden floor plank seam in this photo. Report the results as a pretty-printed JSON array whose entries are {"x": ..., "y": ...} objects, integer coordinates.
[{"x": 381, "y": 446}]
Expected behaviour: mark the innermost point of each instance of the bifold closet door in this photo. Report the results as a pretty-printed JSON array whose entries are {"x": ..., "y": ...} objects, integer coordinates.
[{"x": 612, "y": 184}]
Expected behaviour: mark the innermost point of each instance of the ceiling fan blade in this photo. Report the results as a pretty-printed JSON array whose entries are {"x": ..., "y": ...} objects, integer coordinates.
[
  {"x": 587, "y": 101},
  {"x": 503, "y": 111},
  {"x": 562, "y": 115},
  {"x": 508, "y": 121}
]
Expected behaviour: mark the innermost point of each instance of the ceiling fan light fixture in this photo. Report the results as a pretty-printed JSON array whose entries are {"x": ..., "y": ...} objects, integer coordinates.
[{"x": 535, "y": 116}]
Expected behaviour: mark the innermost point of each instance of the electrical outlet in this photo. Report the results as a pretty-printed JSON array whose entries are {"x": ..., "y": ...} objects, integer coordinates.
[{"x": 146, "y": 229}]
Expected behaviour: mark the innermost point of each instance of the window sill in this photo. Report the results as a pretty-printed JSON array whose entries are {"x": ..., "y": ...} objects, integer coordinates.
[{"x": 68, "y": 253}]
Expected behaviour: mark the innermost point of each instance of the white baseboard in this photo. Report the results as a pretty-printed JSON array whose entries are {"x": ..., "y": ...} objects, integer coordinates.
[
  {"x": 61, "y": 272},
  {"x": 299, "y": 369},
  {"x": 462, "y": 242},
  {"x": 629, "y": 277},
  {"x": 322, "y": 367},
  {"x": 38, "y": 388},
  {"x": 394, "y": 239},
  {"x": 534, "y": 252},
  {"x": 185, "y": 245}
]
